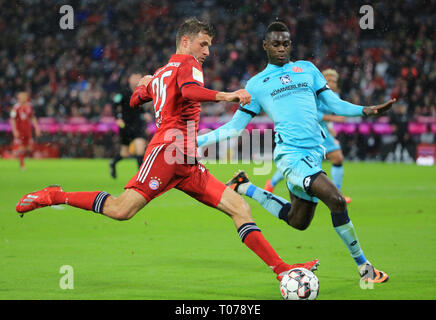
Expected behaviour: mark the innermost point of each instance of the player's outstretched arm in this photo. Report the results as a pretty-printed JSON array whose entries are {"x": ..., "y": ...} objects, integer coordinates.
[
  {"x": 334, "y": 104},
  {"x": 36, "y": 126},
  {"x": 231, "y": 129},
  {"x": 343, "y": 108},
  {"x": 196, "y": 93}
]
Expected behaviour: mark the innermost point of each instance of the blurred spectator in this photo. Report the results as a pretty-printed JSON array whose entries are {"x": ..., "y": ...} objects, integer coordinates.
[{"x": 403, "y": 146}]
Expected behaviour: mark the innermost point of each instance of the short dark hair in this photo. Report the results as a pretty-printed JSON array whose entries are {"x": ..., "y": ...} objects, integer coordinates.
[
  {"x": 191, "y": 27},
  {"x": 276, "y": 26}
]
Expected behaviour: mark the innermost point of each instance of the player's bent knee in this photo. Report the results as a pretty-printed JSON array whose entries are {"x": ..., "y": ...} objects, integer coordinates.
[
  {"x": 338, "y": 203},
  {"x": 336, "y": 158}
]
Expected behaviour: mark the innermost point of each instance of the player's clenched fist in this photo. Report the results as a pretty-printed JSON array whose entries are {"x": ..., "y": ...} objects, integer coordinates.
[{"x": 242, "y": 96}]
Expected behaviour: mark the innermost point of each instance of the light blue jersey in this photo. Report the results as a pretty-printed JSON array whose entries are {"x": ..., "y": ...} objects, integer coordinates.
[{"x": 290, "y": 95}]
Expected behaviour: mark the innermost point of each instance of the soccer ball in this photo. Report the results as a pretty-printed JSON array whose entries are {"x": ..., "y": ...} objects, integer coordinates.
[{"x": 299, "y": 284}]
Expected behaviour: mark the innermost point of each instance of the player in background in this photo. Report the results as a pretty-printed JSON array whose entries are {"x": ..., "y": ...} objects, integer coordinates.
[
  {"x": 332, "y": 147},
  {"x": 132, "y": 124},
  {"x": 289, "y": 93},
  {"x": 170, "y": 159},
  {"x": 22, "y": 118}
]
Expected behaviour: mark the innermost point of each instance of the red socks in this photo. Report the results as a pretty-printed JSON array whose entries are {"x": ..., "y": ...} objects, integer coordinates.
[
  {"x": 252, "y": 237},
  {"x": 93, "y": 200}
]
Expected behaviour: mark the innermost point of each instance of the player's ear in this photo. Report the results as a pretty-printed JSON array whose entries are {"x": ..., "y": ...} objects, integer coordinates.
[
  {"x": 264, "y": 45},
  {"x": 184, "y": 41}
]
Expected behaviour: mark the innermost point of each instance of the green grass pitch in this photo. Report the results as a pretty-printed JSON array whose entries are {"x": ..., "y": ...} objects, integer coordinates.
[{"x": 177, "y": 248}]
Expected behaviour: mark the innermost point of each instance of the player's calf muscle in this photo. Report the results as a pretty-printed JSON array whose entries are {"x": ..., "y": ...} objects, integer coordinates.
[
  {"x": 301, "y": 213},
  {"x": 301, "y": 220}
]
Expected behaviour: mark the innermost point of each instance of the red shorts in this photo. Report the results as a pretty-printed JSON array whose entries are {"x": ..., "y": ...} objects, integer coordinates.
[
  {"x": 23, "y": 140},
  {"x": 157, "y": 175}
]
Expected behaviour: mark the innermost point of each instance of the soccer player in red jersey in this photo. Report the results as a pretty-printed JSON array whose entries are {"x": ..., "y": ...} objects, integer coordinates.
[
  {"x": 22, "y": 118},
  {"x": 170, "y": 159}
]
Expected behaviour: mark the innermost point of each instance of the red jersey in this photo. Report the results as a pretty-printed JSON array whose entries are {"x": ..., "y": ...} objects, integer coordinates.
[
  {"x": 23, "y": 115},
  {"x": 177, "y": 115}
]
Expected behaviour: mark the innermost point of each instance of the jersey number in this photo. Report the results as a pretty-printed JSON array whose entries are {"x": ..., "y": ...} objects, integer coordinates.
[
  {"x": 307, "y": 160},
  {"x": 159, "y": 88}
]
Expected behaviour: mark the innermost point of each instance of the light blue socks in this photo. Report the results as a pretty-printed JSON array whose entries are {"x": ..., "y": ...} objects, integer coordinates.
[{"x": 337, "y": 173}]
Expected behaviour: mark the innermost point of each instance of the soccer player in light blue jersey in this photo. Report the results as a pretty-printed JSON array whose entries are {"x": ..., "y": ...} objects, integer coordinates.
[
  {"x": 332, "y": 147},
  {"x": 290, "y": 94}
]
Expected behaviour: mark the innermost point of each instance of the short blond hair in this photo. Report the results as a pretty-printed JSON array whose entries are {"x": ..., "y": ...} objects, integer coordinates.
[{"x": 330, "y": 72}]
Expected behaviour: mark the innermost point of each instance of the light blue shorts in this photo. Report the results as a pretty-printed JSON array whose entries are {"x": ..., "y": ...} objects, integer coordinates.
[
  {"x": 330, "y": 143},
  {"x": 297, "y": 166}
]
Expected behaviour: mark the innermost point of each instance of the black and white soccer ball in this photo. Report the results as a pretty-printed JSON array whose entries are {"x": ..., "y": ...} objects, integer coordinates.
[{"x": 299, "y": 284}]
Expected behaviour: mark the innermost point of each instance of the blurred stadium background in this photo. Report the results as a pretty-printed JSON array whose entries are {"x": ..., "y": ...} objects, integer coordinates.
[{"x": 73, "y": 75}]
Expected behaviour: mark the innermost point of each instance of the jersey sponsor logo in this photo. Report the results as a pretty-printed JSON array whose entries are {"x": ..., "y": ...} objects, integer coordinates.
[
  {"x": 290, "y": 87},
  {"x": 285, "y": 79},
  {"x": 154, "y": 183},
  {"x": 197, "y": 74},
  {"x": 297, "y": 69}
]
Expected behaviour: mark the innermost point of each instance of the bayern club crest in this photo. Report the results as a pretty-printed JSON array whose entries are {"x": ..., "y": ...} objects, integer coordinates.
[{"x": 154, "y": 183}]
